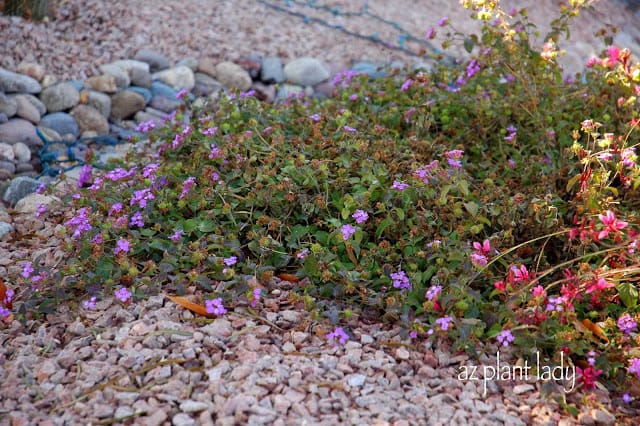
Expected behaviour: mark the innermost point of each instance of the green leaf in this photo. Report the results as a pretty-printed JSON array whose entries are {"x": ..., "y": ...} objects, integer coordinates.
[
  {"x": 148, "y": 232},
  {"x": 472, "y": 208},
  {"x": 384, "y": 225},
  {"x": 628, "y": 294},
  {"x": 468, "y": 44},
  {"x": 443, "y": 195},
  {"x": 206, "y": 226}
]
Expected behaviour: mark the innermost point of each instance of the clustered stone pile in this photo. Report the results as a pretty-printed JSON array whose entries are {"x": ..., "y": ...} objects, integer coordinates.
[{"x": 128, "y": 93}]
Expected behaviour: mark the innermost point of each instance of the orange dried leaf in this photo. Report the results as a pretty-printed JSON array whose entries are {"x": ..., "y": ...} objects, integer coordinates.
[
  {"x": 289, "y": 277},
  {"x": 193, "y": 307},
  {"x": 595, "y": 329}
]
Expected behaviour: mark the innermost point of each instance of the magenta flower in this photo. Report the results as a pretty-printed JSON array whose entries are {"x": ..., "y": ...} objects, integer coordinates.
[
  {"x": 4, "y": 312},
  {"x": 505, "y": 337},
  {"x": 626, "y": 398},
  {"x": 360, "y": 216},
  {"x": 338, "y": 335},
  {"x": 41, "y": 189},
  {"x": 520, "y": 274},
  {"x": 588, "y": 376},
  {"x": 97, "y": 239},
  {"x": 347, "y": 231},
  {"x": 443, "y": 21},
  {"x": 210, "y": 131},
  {"x": 123, "y": 295},
  {"x": 405, "y": 86},
  {"x": 122, "y": 246},
  {"x": 538, "y": 291},
  {"x": 430, "y": 34},
  {"x": 141, "y": 197},
  {"x": 215, "y": 307},
  {"x": 145, "y": 126},
  {"x": 482, "y": 248},
  {"x": 97, "y": 185},
  {"x": 182, "y": 94},
  {"x": 479, "y": 259},
  {"x": 136, "y": 220},
  {"x": 315, "y": 117},
  {"x": 600, "y": 285},
  {"x": 350, "y": 129}
]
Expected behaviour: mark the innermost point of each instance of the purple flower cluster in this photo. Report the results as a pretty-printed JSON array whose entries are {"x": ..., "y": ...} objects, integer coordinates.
[
  {"x": 136, "y": 220},
  {"x": 400, "y": 280},
  {"x": 505, "y": 337},
  {"x": 344, "y": 78},
  {"x": 141, "y": 197},
  {"x": 186, "y": 186},
  {"x": 433, "y": 292},
  {"x": 626, "y": 324},
  {"x": 85, "y": 175},
  {"x": 120, "y": 174},
  {"x": 122, "y": 246},
  {"x": 123, "y": 294},
  {"x": 79, "y": 223},
  {"x": 347, "y": 231},
  {"x": 444, "y": 322},
  {"x": 338, "y": 335},
  {"x": 453, "y": 158},
  {"x": 360, "y": 216},
  {"x": 215, "y": 307}
]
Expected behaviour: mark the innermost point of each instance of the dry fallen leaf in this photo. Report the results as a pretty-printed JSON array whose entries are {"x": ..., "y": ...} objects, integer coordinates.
[
  {"x": 288, "y": 277},
  {"x": 193, "y": 307}
]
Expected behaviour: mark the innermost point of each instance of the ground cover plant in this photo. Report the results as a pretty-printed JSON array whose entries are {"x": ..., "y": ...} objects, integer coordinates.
[{"x": 495, "y": 200}]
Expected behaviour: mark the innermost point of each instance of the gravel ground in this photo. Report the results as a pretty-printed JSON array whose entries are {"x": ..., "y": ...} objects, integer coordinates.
[{"x": 153, "y": 363}]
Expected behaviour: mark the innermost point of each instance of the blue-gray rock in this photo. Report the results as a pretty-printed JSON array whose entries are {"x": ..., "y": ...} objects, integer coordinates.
[
  {"x": 180, "y": 77},
  {"x": 125, "y": 104},
  {"x": 61, "y": 122},
  {"x": 21, "y": 152},
  {"x": 60, "y": 97},
  {"x": 26, "y": 109},
  {"x": 164, "y": 104},
  {"x": 372, "y": 70},
  {"x": 42, "y": 109},
  {"x": 157, "y": 61},
  {"x": 105, "y": 83},
  {"x": 121, "y": 132},
  {"x": 8, "y": 166},
  {"x": 206, "y": 85},
  {"x": 19, "y": 130},
  {"x": 272, "y": 71},
  {"x": 6, "y": 152},
  {"x": 78, "y": 84},
  {"x": 19, "y": 188},
  {"x": 5, "y": 229},
  {"x": 287, "y": 90},
  {"x": 24, "y": 168},
  {"x": 141, "y": 78},
  {"x": 160, "y": 89},
  {"x": 11, "y": 82},
  {"x": 3, "y": 118},
  {"x": 146, "y": 93},
  {"x": 8, "y": 105},
  {"x": 120, "y": 75},
  {"x": 90, "y": 119},
  {"x": 99, "y": 101},
  {"x": 306, "y": 72},
  {"x": 251, "y": 64},
  {"x": 189, "y": 62},
  {"x": 233, "y": 75}
]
